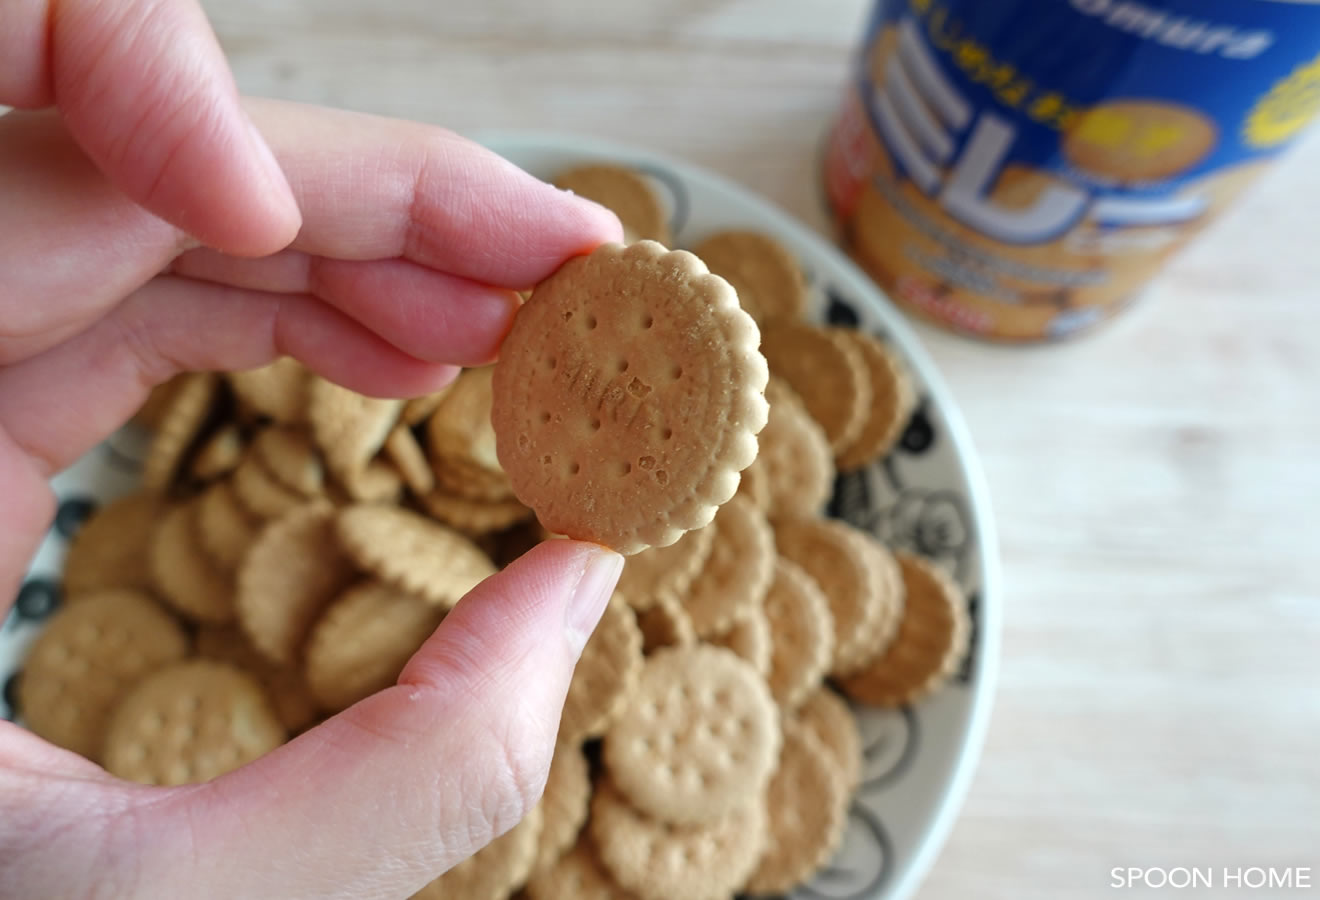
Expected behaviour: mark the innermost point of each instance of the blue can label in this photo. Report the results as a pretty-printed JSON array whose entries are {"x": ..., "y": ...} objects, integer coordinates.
[{"x": 1019, "y": 168}]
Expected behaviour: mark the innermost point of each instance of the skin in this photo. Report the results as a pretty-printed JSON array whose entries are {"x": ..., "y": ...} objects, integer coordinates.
[{"x": 155, "y": 222}]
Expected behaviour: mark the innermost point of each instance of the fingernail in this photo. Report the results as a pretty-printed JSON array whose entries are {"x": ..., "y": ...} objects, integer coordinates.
[{"x": 591, "y": 595}]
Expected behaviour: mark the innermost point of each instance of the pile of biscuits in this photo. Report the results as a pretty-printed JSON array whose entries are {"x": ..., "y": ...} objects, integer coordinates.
[{"x": 294, "y": 543}]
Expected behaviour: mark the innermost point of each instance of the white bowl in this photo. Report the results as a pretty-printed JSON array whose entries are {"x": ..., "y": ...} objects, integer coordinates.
[{"x": 928, "y": 495}]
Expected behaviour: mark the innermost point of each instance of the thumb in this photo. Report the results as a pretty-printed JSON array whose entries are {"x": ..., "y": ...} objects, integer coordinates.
[{"x": 394, "y": 791}]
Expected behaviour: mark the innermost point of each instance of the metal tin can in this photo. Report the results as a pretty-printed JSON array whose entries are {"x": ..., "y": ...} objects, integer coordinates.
[{"x": 1018, "y": 170}]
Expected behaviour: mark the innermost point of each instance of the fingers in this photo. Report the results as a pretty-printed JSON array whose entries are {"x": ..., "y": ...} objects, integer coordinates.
[
  {"x": 373, "y": 188},
  {"x": 369, "y": 188},
  {"x": 428, "y": 314},
  {"x": 451, "y": 757},
  {"x": 25, "y": 514},
  {"x": 60, "y": 403},
  {"x": 146, "y": 92}
]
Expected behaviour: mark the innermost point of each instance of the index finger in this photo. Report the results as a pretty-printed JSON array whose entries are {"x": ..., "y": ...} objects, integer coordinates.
[{"x": 375, "y": 188}]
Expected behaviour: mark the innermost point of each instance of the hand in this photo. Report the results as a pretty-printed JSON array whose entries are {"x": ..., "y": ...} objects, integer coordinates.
[{"x": 148, "y": 226}]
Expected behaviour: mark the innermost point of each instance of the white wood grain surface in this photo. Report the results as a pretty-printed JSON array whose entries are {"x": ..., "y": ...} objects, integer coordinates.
[{"x": 1157, "y": 485}]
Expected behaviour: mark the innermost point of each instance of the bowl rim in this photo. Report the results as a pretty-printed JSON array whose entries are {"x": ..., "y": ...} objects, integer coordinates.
[{"x": 902, "y": 333}]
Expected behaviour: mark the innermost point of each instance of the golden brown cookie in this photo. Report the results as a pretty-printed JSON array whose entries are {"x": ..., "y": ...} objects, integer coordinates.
[
  {"x": 259, "y": 492},
  {"x": 826, "y": 371},
  {"x": 292, "y": 572},
  {"x": 402, "y": 449},
  {"x": 660, "y": 572},
  {"x": 828, "y": 717},
  {"x": 181, "y": 422},
  {"x": 190, "y": 722},
  {"x": 795, "y": 465},
  {"x": 577, "y": 875},
  {"x": 348, "y": 427},
  {"x": 628, "y": 397},
  {"x": 474, "y": 517},
  {"x": 461, "y": 440},
  {"x": 225, "y": 528},
  {"x": 698, "y": 739},
  {"x": 285, "y": 686},
  {"x": 420, "y": 556},
  {"x": 931, "y": 641},
  {"x": 894, "y": 397},
  {"x": 289, "y": 455},
  {"x": 279, "y": 391},
  {"x": 807, "y": 812},
  {"x": 749, "y": 637},
  {"x": 218, "y": 455},
  {"x": 112, "y": 548},
  {"x": 738, "y": 571},
  {"x": 363, "y": 640},
  {"x": 661, "y": 861},
  {"x": 379, "y": 482},
  {"x": 182, "y": 572},
  {"x": 665, "y": 624},
  {"x": 764, "y": 272},
  {"x": 496, "y": 871},
  {"x": 87, "y": 657},
  {"x": 418, "y": 409},
  {"x": 841, "y": 559},
  {"x": 563, "y": 805},
  {"x": 625, "y": 193},
  {"x": 605, "y": 677},
  {"x": 801, "y": 634}
]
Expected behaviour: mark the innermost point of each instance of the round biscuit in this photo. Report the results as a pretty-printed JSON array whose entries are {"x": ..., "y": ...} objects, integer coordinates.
[
  {"x": 699, "y": 737},
  {"x": 182, "y": 572},
  {"x": 660, "y": 572},
  {"x": 188, "y": 408},
  {"x": 628, "y": 397},
  {"x": 605, "y": 677},
  {"x": 765, "y": 273},
  {"x": 474, "y": 517},
  {"x": 807, "y": 812},
  {"x": 259, "y": 492},
  {"x": 826, "y": 371},
  {"x": 843, "y": 564},
  {"x": 190, "y": 722},
  {"x": 218, "y": 455},
  {"x": 288, "y": 577},
  {"x": 226, "y": 529},
  {"x": 349, "y": 428},
  {"x": 894, "y": 397},
  {"x": 289, "y": 455},
  {"x": 828, "y": 717},
  {"x": 577, "y": 875},
  {"x": 661, "y": 861},
  {"x": 625, "y": 193},
  {"x": 285, "y": 686},
  {"x": 738, "y": 571},
  {"x": 563, "y": 805},
  {"x": 932, "y": 639},
  {"x": 363, "y": 640},
  {"x": 112, "y": 548},
  {"x": 801, "y": 634},
  {"x": 749, "y": 637},
  {"x": 419, "y": 556},
  {"x": 407, "y": 456},
  {"x": 279, "y": 391},
  {"x": 665, "y": 624},
  {"x": 87, "y": 657},
  {"x": 795, "y": 464}
]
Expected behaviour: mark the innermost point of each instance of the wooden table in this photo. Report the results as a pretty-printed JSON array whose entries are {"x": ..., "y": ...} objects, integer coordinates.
[{"x": 1157, "y": 485}]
